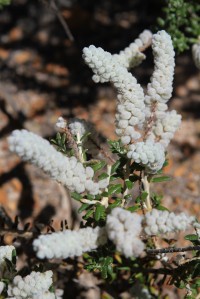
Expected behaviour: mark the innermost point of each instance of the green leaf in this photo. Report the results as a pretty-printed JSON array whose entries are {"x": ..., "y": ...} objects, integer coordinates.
[
  {"x": 114, "y": 189},
  {"x": 103, "y": 176},
  {"x": 134, "y": 208},
  {"x": 128, "y": 196},
  {"x": 98, "y": 166},
  {"x": 76, "y": 196},
  {"x": 161, "y": 179},
  {"x": 191, "y": 237},
  {"x": 161, "y": 208},
  {"x": 88, "y": 214},
  {"x": 114, "y": 177},
  {"x": 115, "y": 166},
  {"x": 83, "y": 207},
  {"x": 115, "y": 204},
  {"x": 129, "y": 184},
  {"x": 141, "y": 197},
  {"x": 117, "y": 147},
  {"x": 99, "y": 212}
]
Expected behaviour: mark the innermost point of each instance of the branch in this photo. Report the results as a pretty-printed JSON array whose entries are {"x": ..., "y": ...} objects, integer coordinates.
[
  {"x": 62, "y": 21},
  {"x": 172, "y": 249}
]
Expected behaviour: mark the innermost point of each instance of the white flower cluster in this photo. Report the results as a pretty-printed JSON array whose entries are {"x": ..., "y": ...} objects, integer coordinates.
[
  {"x": 140, "y": 119},
  {"x": 78, "y": 127},
  {"x": 196, "y": 54},
  {"x": 123, "y": 229},
  {"x": 61, "y": 123},
  {"x": 130, "y": 110},
  {"x": 160, "y": 88},
  {"x": 6, "y": 253},
  {"x": 2, "y": 286},
  {"x": 162, "y": 222},
  {"x": 165, "y": 127},
  {"x": 159, "y": 91},
  {"x": 132, "y": 55},
  {"x": 69, "y": 243},
  {"x": 33, "y": 286},
  {"x": 147, "y": 153},
  {"x": 68, "y": 171}
]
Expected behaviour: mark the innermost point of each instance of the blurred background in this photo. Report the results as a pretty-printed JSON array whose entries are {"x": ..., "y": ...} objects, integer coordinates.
[{"x": 43, "y": 76}]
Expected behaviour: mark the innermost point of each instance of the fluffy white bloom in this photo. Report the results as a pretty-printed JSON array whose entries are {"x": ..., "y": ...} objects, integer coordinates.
[
  {"x": 142, "y": 121},
  {"x": 35, "y": 285},
  {"x": 123, "y": 229},
  {"x": 2, "y": 285},
  {"x": 61, "y": 123},
  {"x": 131, "y": 56},
  {"x": 78, "y": 126},
  {"x": 160, "y": 87},
  {"x": 6, "y": 253},
  {"x": 68, "y": 171},
  {"x": 196, "y": 54},
  {"x": 59, "y": 293},
  {"x": 162, "y": 222},
  {"x": 165, "y": 127},
  {"x": 69, "y": 243},
  {"x": 130, "y": 108},
  {"x": 149, "y": 154}
]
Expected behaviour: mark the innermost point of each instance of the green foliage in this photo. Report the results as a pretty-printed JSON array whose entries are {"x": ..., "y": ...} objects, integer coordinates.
[
  {"x": 181, "y": 19},
  {"x": 4, "y": 2},
  {"x": 60, "y": 142}
]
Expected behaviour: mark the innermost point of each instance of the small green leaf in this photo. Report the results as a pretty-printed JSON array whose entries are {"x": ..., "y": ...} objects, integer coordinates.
[
  {"x": 103, "y": 176},
  {"x": 88, "y": 214},
  {"x": 115, "y": 166},
  {"x": 141, "y": 197},
  {"x": 129, "y": 184},
  {"x": 115, "y": 204},
  {"x": 76, "y": 196},
  {"x": 98, "y": 166},
  {"x": 83, "y": 207},
  {"x": 134, "y": 208},
  {"x": 114, "y": 189},
  {"x": 192, "y": 237},
  {"x": 161, "y": 208},
  {"x": 161, "y": 179},
  {"x": 99, "y": 212}
]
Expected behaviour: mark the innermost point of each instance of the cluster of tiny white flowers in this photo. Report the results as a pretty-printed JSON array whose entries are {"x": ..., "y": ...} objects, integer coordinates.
[
  {"x": 136, "y": 112},
  {"x": 160, "y": 88},
  {"x": 69, "y": 243},
  {"x": 35, "y": 285},
  {"x": 2, "y": 286},
  {"x": 61, "y": 123},
  {"x": 130, "y": 108},
  {"x": 68, "y": 171},
  {"x": 165, "y": 127},
  {"x": 149, "y": 154},
  {"x": 196, "y": 54},
  {"x": 78, "y": 127},
  {"x": 131, "y": 55},
  {"x": 123, "y": 229},
  {"x": 162, "y": 222},
  {"x": 6, "y": 253},
  {"x": 159, "y": 91}
]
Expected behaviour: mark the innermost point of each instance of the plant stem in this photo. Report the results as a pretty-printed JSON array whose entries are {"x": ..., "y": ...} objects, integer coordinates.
[{"x": 146, "y": 187}]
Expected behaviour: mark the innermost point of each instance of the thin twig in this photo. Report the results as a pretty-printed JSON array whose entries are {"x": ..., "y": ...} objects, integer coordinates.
[
  {"x": 140, "y": 193},
  {"x": 101, "y": 149},
  {"x": 54, "y": 7},
  {"x": 172, "y": 249},
  {"x": 146, "y": 187}
]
